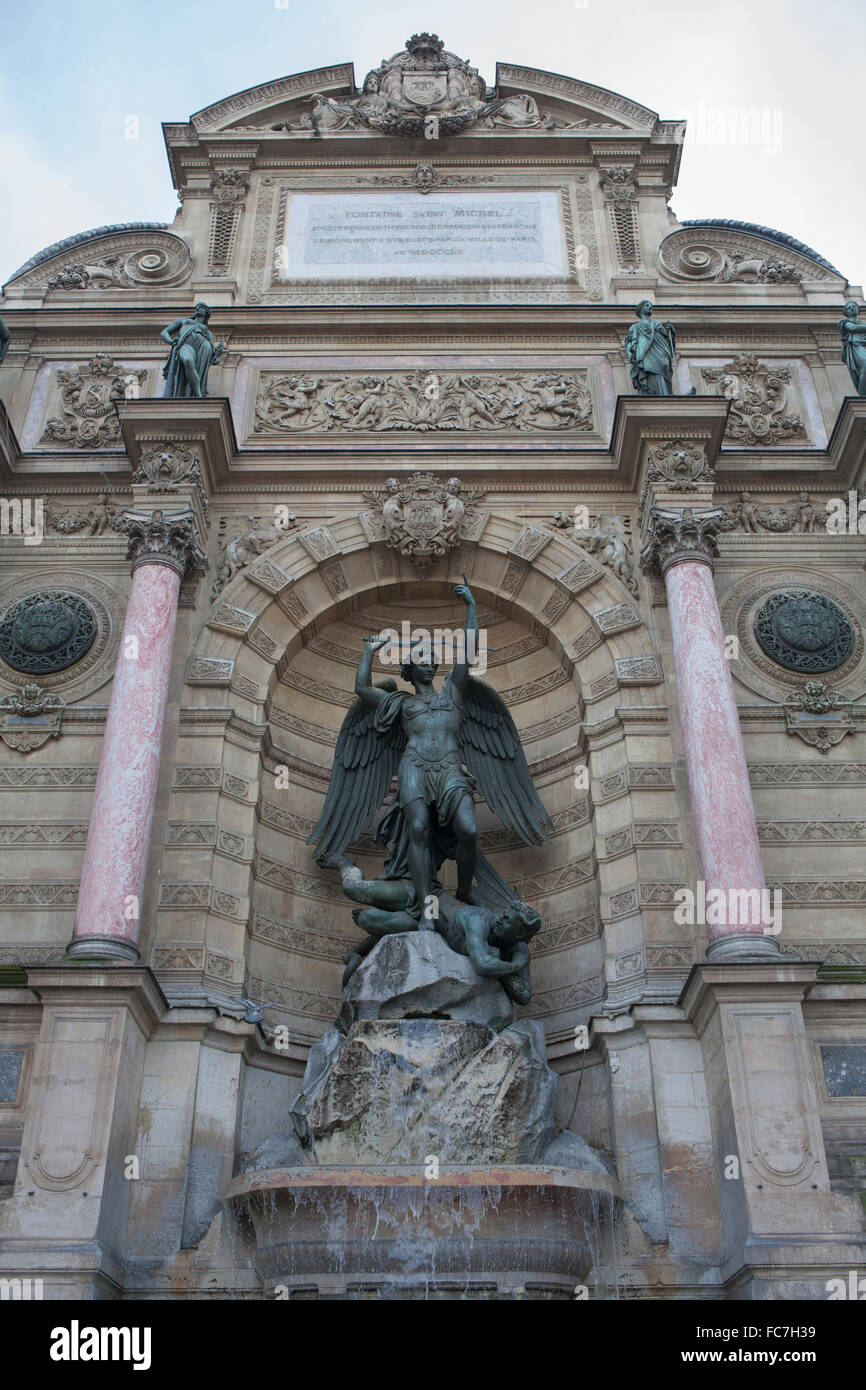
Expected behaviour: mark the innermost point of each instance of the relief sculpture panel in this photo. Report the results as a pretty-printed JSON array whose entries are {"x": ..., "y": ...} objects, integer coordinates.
[{"x": 424, "y": 401}]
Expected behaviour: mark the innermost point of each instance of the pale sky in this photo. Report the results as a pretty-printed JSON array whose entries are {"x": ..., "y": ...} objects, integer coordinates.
[{"x": 75, "y": 72}]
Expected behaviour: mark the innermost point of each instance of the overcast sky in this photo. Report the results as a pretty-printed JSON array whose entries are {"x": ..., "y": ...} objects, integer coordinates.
[{"x": 75, "y": 72}]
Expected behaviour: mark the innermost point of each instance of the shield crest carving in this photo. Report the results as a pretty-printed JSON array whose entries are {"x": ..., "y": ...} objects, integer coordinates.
[{"x": 425, "y": 88}]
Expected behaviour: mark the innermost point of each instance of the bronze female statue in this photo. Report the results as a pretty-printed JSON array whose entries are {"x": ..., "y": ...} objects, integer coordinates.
[
  {"x": 651, "y": 350},
  {"x": 193, "y": 352},
  {"x": 853, "y": 332}
]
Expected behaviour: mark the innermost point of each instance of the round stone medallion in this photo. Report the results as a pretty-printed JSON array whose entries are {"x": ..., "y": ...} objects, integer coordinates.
[
  {"x": 804, "y": 631},
  {"x": 46, "y": 632}
]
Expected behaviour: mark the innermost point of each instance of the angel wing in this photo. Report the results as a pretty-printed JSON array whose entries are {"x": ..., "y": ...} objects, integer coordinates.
[
  {"x": 365, "y": 760},
  {"x": 491, "y": 748}
]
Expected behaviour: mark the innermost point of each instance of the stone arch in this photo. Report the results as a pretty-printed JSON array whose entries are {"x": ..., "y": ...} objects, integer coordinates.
[{"x": 589, "y": 643}]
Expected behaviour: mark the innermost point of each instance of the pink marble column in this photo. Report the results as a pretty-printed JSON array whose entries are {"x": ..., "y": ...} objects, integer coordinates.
[
  {"x": 108, "y": 916},
  {"x": 721, "y": 797}
]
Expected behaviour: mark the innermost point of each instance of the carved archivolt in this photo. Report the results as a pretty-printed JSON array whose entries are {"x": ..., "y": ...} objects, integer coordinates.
[
  {"x": 422, "y": 401},
  {"x": 123, "y": 261},
  {"x": 695, "y": 253}
]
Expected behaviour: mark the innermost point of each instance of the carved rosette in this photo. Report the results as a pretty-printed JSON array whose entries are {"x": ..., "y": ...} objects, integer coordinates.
[
  {"x": 164, "y": 538},
  {"x": 676, "y": 535}
]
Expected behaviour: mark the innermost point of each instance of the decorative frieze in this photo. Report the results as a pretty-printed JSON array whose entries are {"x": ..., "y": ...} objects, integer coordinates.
[
  {"x": 210, "y": 670},
  {"x": 637, "y": 670},
  {"x": 566, "y": 997},
  {"x": 308, "y": 1002},
  {"x": 38, "y": 894},
  {"x": 421, "y": 402},
  {"x": 801, "y": 516},
  {"x": 564, "y": 936},
  {"x": 812, "y": 831},
  {"x": 291, "y": 936},
  {"x": 46, "y": 778},
  {"x": 43, "y": 835},
  {"x": 98, "y": 520},
  {"x": 807, "y": 774},
  {"x": 197, "y": 778}
]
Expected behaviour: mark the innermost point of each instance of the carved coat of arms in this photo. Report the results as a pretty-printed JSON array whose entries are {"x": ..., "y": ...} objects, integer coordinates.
[
  {"x": 423, "y": 517},
  {"x": 427, "y": 91}
]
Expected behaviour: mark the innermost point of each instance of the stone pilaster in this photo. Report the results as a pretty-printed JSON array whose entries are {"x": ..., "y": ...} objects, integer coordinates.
[
  {"x": 66, "y": 1224},
  {"x": 774, "y": 1184}
]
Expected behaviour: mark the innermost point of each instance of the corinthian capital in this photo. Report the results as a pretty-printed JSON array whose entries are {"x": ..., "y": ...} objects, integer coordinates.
[
  {"x": 676, "y": 534},
  {"x": 164, "y": 538}
]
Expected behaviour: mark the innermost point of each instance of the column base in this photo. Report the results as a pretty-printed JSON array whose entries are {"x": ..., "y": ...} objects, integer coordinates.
[
  {"x": 744, "y": 946},
  {"x": 102, "y": 947}
]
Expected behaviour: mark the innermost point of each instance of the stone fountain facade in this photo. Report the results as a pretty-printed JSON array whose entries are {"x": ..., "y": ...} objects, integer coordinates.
[{"x": 673, "y": 622}]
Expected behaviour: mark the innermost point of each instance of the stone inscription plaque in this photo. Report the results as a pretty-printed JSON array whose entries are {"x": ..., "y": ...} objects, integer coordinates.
[
  {"x": 844, "y": 1069},
  {"x": 10, "y": 1073},
  {"x": 476, "y": 236}
]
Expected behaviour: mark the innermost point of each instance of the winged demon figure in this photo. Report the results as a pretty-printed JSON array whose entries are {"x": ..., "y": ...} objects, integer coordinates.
[{"x": 441, "y": 744}]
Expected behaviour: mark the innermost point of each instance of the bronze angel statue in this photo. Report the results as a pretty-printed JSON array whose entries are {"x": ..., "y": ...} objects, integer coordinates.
[{"x": 441, "y": 744}]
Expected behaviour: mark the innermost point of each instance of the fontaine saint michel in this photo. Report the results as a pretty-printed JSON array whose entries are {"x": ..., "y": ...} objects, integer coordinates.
[{"x": 400, "y": 973}]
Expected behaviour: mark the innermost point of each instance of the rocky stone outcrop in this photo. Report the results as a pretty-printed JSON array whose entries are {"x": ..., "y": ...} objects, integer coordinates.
[
  {"x": 417, "y": 975},
  {"x": 401, "y": 1090}
]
